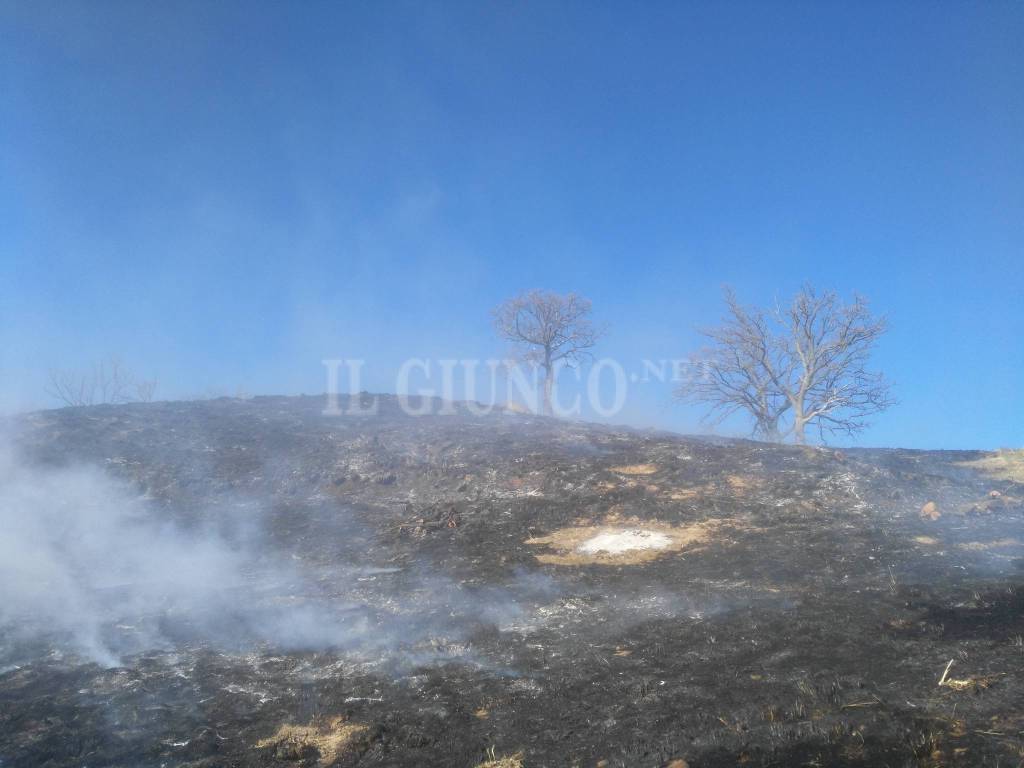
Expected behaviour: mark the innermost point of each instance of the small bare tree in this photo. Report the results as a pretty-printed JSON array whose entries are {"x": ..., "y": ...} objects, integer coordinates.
[
  {"x": 787, "y": 368},
  {"x": 107, "y": 381},
  {"x": 549, "y": 329},
  {"x": 72, "y": 387},
  {"x": 144, "y": 390}
]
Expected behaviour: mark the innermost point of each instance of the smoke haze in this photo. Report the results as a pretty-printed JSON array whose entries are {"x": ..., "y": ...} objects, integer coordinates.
[{"x": 86, "y": 564}]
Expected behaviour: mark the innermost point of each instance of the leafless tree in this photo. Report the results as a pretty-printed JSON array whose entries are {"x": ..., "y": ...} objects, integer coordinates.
[
  {"x": 144, "y": 390},
  {"x": 734, "y": 374},
  {"x": 549, "y": 329},
  {"x": 790, "y": 367},
  {"x": 107, "y": 381},
  {"x": 72, "y": 387}
]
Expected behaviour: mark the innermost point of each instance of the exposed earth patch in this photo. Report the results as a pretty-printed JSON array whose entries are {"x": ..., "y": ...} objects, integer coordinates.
[{"x": 617, "y": 544}]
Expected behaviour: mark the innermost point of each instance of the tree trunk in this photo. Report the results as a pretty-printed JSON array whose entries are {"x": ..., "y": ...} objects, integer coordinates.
[
  {"x": 549, "y": 380},
  {"x": 798, "y": 431},
  {"x": 767, "y": 429}
]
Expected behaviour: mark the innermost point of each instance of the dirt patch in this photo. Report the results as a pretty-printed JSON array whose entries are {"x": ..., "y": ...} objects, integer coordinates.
[
  {"x": 509, "y": 761},
  {"x": 1004, "y": 465},
  {"x": 618, "y": 544},
  {"x": 994, "y": 501},
  {"x": 330, "y": 737},
  {"x": 635, "y": 469},
  {"x": 686, "y": 494},
  {"x": 984, "y": 546},
  {"x": 966, "y": 683},
  {"x": 927, "y": 541},
  {"x": 930, "y": 511},
  {"x": 741, "y": 484}
]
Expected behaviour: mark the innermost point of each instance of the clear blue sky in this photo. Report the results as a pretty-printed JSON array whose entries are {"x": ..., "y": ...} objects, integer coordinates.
[{"x": 223, "y": 194}]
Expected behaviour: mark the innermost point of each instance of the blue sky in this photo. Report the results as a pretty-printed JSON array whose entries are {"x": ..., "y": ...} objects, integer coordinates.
[{"x": 224, "y": 194}]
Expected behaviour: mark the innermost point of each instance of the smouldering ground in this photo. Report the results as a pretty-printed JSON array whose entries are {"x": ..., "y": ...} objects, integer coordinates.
[{"x": 510, "y": 591}]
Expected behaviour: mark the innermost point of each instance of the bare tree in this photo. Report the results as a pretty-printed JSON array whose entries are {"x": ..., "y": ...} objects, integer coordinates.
[
  {"x": 144, "y": 390},
  {"x": 72, "y": 387},
  {"x": 107, "y": 381},
  {"x": 549, "y": 329},
  {"x": 734, "y": 374},
  {"x": 787, "y": 368}
]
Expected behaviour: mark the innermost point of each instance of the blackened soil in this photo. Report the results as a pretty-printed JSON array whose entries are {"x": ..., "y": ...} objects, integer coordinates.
[{"x": 812, "y": 629}]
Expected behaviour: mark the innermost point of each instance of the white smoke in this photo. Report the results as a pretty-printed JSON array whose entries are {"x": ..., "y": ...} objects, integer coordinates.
[
  {"x": 88, "y": 564},
  {"x": 79, "y": 550}
]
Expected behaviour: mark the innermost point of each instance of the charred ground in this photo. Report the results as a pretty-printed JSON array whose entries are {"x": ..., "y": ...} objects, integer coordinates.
[{"x": 809, "y": 623}]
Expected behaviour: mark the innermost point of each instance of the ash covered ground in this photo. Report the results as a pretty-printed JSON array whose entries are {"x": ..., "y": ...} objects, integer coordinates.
[{"x": 235, "y": 583}]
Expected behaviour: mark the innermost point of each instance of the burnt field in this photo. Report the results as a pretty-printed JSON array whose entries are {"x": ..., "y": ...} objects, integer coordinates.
[{"x": 252, "y": 583}]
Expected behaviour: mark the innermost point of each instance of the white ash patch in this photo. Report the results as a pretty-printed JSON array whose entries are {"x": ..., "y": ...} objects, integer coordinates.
[{"x": 617, "y": 542}]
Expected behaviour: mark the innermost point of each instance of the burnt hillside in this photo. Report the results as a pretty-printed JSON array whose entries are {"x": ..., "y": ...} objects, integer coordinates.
[{"x": 229, "y": 583}]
